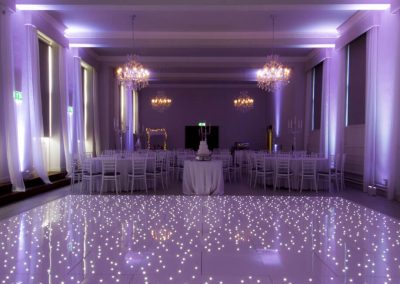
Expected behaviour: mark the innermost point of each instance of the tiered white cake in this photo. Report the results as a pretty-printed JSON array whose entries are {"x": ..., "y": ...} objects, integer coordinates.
[{"x": 203, "y": 149}]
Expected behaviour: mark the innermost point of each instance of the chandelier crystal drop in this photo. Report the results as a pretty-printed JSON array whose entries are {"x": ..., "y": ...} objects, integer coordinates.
[
  {"x": 160, "y": 102},
  {"x": 273, "y": 74},
  {"x": 244, "y": 102},
  {"x": 133, "y": 75}
]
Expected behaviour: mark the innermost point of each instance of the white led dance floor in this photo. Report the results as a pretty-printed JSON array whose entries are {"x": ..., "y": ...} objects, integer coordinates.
[{"x": 178, "y": 239}]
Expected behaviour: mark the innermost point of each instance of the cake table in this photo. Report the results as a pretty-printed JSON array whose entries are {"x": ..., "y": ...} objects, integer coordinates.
[{"x": 203, "y": 177}]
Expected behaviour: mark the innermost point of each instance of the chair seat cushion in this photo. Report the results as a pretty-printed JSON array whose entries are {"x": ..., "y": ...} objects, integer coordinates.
[
  {"x": 285, "y": 173},
  {"x": 325, "y": 173},
  {"x": 93, "y": 173},
  {"x": 112, "y": 174}
]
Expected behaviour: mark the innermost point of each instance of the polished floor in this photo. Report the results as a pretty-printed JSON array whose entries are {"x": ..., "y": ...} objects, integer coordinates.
[{"x": 181, "y": 239}]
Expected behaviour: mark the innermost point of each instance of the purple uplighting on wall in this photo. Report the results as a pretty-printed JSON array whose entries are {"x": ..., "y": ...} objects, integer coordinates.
[{"x": 278, "y": 109}]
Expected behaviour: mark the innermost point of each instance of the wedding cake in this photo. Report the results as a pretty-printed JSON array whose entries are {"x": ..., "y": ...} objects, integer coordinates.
[{"x": 203, "y": 149}]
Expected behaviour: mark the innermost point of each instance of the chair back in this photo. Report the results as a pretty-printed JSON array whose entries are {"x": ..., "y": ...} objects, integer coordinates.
[
  {"x": 343, "y": 163},
  {"x": 87, "y": 166},
  {"x": 308, "y": 166},
  {"x": 282, "y": 165},
  {"x": 139, "y": 165},
  {"x": 109, "y": 166}
]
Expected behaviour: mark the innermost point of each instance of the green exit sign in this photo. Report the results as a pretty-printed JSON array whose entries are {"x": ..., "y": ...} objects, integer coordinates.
[
  {"x": 201, "y": 124},
  {"x": 70, "y": 109},
  {"x": 18, "y": 96}
]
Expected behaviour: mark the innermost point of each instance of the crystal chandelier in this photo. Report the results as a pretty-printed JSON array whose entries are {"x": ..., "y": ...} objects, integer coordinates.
[
  {"x": 161, "y": 102},
  {"x": 132, "y": 75},
  {"x": 274, "y": 74},
  {"x": 244, "y": 102}
]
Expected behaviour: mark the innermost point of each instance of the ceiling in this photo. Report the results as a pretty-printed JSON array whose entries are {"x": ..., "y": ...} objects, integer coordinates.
[{"x": 202, "y": 37}]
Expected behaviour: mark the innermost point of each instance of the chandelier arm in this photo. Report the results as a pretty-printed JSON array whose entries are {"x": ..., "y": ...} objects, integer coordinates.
[
  {"x": 273, "y": 34},
  {"x": 133, "y": 33}
]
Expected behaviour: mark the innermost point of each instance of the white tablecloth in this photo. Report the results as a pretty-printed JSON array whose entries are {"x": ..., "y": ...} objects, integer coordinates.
[{"x": 203, "y": 177}]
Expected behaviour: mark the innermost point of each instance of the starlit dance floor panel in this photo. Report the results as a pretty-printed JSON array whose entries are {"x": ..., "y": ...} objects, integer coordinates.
[{"x": 181, "y": 239}]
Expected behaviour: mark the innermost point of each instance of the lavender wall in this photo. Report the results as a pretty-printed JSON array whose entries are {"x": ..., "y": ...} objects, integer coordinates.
[{"x": 214, "y": 104}]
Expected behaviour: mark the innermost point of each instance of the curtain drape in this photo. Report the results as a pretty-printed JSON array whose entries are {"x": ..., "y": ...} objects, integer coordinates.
[
  {"x": 96, "y": 117},
  {"x": 77, "y": 102},
  {"x": 324, "y": 131},
  {"x": 307, "y": 107},
  {"x": 391, "y": 73},
  {"x": 370, "y": 111},
  {"x": 64, "y": 102},
  {"x": 128, "y": 119},
  {"x": 7, "y": 106},
  {"x": 337, "y": 102},
  {"x": 34, "y": 101}
]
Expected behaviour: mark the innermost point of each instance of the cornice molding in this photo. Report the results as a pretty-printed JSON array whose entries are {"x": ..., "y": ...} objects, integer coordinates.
[
  {"x": 204, "y": 61},
  {"x": 395, "y": 6},
  {"x": 317, "y": 56},
  {"x": 356, "y": 25},
  {"x": 8, "y": 4},
  {"x": 200, "y": 35}
]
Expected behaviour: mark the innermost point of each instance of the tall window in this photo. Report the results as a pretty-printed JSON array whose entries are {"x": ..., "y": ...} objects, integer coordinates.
[
  {"x": 45, "y": 66},
  {"x": 316, "y": 96},
  {"x": 135, "y": 112},
  {"x": 355, "y": 81},
  {"x": 135, "y": 109},
  {"x": 84, "y": 100}
]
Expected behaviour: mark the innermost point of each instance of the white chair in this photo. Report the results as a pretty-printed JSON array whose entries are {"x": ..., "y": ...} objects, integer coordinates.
[
  {"x": 282, "y": 171},
  {"x": 154, "y": 170},
  {"x": 308, "y": 172},
  {"x": 76, "y": 172},
  {"x": 340, "y": 170},
  {"x": 109, "y": 173},
  {"x": 237, "y": 166},
  {"x": 89, "y": 176},
  {"x": 329, "y": 174},
  {"x": 263, "y": 170},
  {"x": 164, "y": 156},
  {"x": 138, "y": 173},
  {"x": 251, "y": 168},
  {"x": 179, "y": 167},
  {"x": 226, "y": 165}
]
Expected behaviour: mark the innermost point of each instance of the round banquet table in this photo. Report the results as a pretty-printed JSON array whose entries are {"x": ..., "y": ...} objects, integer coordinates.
[{"x": 203, "y": 177}]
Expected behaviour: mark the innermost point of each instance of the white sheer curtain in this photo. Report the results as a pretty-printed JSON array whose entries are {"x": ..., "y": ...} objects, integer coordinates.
[
  {"x": 34, "y": 100},
  {"x": 128, "y": 119},
  {"x": 77, "y": 101},
  {"x": 307, "y": 107},
  {"x": 64, "y": 101},
  {"x": 394, "y": 177},
  {"x": 337, "y": 101},
  {"x": 96, "y": 118},
  {"x": 370, "y": 111},
  {"x": 7, "y": 107},
  {"x": 326, "y": 92}
]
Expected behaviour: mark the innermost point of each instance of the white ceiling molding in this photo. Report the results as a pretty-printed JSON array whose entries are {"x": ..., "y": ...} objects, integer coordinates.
[
  {"x": 172, "y": 35},
  {"x": 249, "y": 85},
  {"x": 233, "y": 5},
  {"x": 358, "y": 24},
  {"x": 199, "y": 43},
  {"x": 48, "y": 26},
  {"x": 8, "y": 4},
  {"x": 316, "y": 57},
  {"x": 395, "y": 6},
  {"x": 208, "y": 62}
]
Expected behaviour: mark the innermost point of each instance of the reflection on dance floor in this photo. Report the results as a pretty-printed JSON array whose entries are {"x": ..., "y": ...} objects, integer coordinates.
[{"x": 185, "y": 239}]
